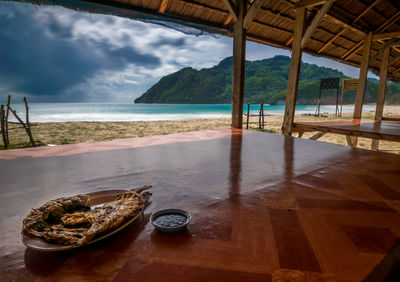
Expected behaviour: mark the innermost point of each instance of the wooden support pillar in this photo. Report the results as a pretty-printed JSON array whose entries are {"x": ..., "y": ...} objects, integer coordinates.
[
  {"x": 239, "y": 54},
  {"x": 294, "y": 72},
  {"x": 382, "y": 84},
  {"x": 380, "y": 102},
  {"x": 362, "y": 83}
]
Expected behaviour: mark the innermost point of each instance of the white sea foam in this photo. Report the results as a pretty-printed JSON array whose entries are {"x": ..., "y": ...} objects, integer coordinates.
[
  {"x": 121, "y": 117},
  {"x": 62, "y": 112}
]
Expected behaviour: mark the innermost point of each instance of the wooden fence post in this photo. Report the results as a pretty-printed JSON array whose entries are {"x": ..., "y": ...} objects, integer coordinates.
[
  {"x": 248, "y": 116},
  {"x": 28, "y": 125},
  {"x": 6, "y": 121},
  {"x": 3, "y": 129},
  {"x": 262, "y": 112}
]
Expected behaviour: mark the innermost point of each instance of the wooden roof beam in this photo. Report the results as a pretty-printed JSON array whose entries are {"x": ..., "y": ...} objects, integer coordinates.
[
  {"x": 228, "y": 19},
  {"x": 387, "y": 45},
  {"x": 232, "y": 9},
  {"x": 385, "y": 36},
  {"x": 308, "y": 3},
  {"x": 315, "y": 22},
  {"x": 384, "y": 26},
  {"x": 252, "y": 12},
  {"x": 345, "y": 28},
  {"x": 394, "y": 60},
  {"x": 395, "y": 71},
  {"x": 163, "y": 6},
  {"x": 366, "y": 11},
  {"x": 331, "y": 40}
]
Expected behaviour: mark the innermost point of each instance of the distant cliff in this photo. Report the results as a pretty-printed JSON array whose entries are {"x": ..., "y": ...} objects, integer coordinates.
[{"x": 265, "y": 80}]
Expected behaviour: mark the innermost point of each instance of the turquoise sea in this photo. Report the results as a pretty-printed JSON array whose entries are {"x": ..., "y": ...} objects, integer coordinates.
[{"x": 62, "y": 112}]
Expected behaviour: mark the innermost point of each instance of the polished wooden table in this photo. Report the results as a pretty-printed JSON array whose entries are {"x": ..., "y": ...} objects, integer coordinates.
[
  {"x": 265, "y": 207},
  {"x": 382, "y": 130}
]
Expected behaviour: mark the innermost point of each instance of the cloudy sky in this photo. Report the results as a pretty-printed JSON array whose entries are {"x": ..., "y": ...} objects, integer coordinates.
[{"x": 52, "y": 54}]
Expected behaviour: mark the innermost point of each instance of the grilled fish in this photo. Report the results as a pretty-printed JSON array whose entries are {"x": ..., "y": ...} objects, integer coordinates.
[{"x": 71, "y": 221}]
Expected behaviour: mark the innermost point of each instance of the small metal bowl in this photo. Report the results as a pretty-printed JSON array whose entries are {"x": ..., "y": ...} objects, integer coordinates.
[{"x": 166, "y": 229}]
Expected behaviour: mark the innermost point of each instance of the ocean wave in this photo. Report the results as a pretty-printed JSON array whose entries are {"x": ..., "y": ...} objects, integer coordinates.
[{"x": 152, "y": 112}]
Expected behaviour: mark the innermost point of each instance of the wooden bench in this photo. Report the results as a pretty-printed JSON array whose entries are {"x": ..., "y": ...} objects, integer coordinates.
[{"x": 380, "y": 130}]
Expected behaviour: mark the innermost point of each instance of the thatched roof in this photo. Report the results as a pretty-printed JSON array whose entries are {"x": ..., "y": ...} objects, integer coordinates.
[{"x": 339, "y": 35}]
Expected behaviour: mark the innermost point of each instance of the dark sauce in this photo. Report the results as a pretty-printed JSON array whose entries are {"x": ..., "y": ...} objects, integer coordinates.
[{"x": 170, "y": 220}]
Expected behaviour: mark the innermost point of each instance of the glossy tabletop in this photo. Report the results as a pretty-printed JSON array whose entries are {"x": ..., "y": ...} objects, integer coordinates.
[
  {"x": 265, "y": 207},
  {"x": 385, "y": 129}
]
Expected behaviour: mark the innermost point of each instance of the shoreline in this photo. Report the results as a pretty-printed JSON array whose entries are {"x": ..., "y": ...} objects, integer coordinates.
[
  {"x": 40, "y": 113},
  {"x": 59, "y": 133}
]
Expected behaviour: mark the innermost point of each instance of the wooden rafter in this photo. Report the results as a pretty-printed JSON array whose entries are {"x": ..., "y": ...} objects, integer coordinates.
[
  {"x": 385, "y": 36},
  {"x": 228, "y": 19},
  {"x": 331, "y": 40},
  {"x": 365, "y": 11},
  {"x": 252, "y": 12},
  {"x": 163, "y": 6},
  {"x": 288, "y": 42},
  {"x": 395, "y": 59},
  {"x": 382, "y": 27},
  {"x": 388, "y": 44},
  {"x": 199, "y": 5},
  {"x": 315, "y": 22},
  {"x": 389, "y": 22},
  {"x": 309, "y": 3},
  {"x": 232, "y": 9},
  {"x": 345, "y": 28}
]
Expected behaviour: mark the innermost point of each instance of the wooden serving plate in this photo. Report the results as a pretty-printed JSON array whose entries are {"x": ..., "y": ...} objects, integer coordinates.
[{"x": 96, "y": 199}]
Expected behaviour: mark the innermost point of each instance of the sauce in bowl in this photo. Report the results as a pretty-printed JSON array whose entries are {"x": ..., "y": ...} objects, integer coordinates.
[{"x": 170, "y": 220}]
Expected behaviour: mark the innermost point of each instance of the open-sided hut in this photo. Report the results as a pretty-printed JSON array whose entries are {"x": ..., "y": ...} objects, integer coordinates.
[{"x": 303, "y": 211}]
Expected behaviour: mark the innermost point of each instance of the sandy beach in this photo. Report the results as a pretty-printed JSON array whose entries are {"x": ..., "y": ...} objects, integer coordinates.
[{"x": 58, "y": 133}]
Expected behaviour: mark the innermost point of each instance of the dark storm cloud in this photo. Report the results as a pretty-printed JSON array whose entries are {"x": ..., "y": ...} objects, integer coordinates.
[
  {"x": 58, "y": 30},
  {"x": 42, "y": 58},
  {"x": 128, "y": 54},
  {"x": 173, "y": 42}
]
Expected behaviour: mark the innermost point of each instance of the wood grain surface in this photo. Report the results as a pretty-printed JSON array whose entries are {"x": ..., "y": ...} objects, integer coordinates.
[{"x": 265, "y": 208}]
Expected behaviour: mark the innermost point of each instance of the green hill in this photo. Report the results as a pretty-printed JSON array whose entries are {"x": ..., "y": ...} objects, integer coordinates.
[{"x": 264, "y": 80}]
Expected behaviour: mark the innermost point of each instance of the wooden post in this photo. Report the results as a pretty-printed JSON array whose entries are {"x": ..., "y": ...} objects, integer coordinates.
[
  {"x": 337, "y": 102},
  {"x": 248, "y": 116},
  {"x": 294, "y": 72},
  {"x": 239, "y": 53},
  {"x": 3, "y": 129},
  {"x": 362, "y": 83},
  {"x": 14, "y": 112},
  {"x": 259, "y": 117},
  {"x": 28, "y": 125},
  {"x": 380, "y": 102},
  {"x": 262, "y": 113},
  {"x": 341, "y": 98},
  {"x": 6, "y": 119}
]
